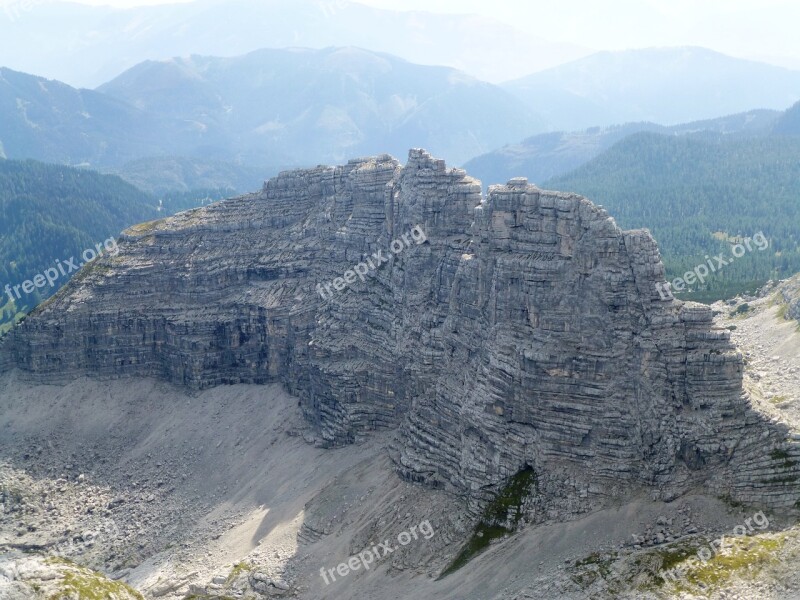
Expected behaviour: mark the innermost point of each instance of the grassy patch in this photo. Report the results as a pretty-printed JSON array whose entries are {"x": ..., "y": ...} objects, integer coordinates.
[
  {"x": 509, "y": 501},
  {"x": 143, "y": 228},
  {"x": 81, "y": 583},
  {"x": 672, "y": 556},
  {"x": 783, "y": 310},
  {"x": 742, "y": 556},
  {"x": 10, "y": 315},
  {"x": 677, "y": 567},
  {"x": 238, "y": 569},
  {"x": 481, "y": 538},
  {"x": 640, "y": 571},
  {"x": 636, "y": 572},
  {"x": 506, "y": 506}
]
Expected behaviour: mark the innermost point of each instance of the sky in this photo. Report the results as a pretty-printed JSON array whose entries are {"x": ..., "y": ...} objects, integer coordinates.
[
  {"x": 757, "y": 29},
  {"x": 762, "y": 29}
]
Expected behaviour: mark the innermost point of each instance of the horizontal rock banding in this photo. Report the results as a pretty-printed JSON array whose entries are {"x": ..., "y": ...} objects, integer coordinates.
[{"x": 527, "y": 329}]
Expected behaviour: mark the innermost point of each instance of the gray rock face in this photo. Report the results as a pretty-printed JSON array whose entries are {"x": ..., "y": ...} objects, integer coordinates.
[
  {"x": 522, "y": 329},
  {"x": 790, "y": 294}
]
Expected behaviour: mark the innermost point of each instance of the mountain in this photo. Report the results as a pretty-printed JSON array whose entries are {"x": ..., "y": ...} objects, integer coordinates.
[
  {"x": 473, "y": 288},
  {"x": 54, "y": 213},
  {"x": 789, "y": 123},
  {"x": 301, "y": 106},
  {"x": 53, "y": 122},
  {"x": 51, "y": 214},
  {"x": 548, "y": 155},
  {"x": 171, "y": 174},
  {"x": 789, "y": 297},
  {"x": 88, "y": 45},
  {"x": 271, "y": 108},
  {"x": 699, "y": 195},
  {"x": 662, "y": 85},
  {"x": 255, "y": 391}
]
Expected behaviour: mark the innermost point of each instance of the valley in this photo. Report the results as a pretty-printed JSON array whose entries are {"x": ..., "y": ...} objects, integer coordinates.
[{"x": 367, "y": 300}]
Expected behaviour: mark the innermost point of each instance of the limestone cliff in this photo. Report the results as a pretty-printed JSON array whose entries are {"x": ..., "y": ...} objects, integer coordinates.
[
  {"x": 522, "y": 329},
  {"x": 789, "y": 294}
]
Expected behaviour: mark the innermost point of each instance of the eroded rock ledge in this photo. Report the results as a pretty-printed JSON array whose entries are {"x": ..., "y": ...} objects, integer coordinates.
[
  {"x": 789, "y": 294},
  {"x": 526, "y": 330}
]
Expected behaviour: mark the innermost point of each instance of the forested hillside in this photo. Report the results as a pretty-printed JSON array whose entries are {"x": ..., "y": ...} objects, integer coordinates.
[
  {"x": 164, "y": 175},
  {"x": 53, "y": 213},
  {"x": 547, "y": 155},
  {"x": 699, "y": 193},
  {"x": 789, "y": 123}
]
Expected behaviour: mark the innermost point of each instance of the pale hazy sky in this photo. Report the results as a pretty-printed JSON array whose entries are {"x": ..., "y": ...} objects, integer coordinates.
[{"x": 761, "y": 29}]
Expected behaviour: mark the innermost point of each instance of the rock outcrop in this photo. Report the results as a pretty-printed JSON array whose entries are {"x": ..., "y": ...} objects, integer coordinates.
[
  {"x": 31, "y": 577},
  {"x": 521, "y": 329},
  {"x": 789, "y": 294}
]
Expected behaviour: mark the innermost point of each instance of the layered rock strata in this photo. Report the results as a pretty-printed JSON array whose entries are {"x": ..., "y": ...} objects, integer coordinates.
[
  {"x": 789, "y": 294},
  {"x": 522, "y": 329}
]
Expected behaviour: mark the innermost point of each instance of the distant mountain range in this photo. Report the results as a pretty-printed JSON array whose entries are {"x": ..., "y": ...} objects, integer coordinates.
[
  {"x": 88, "y": 45},
  {"x": 660, "y": 85},
  {"x": 272, "y": 109},
  {"x": 275, "y": 109},
  {"x": 543, "y": 156},
  {"x": 300, "y": 106},
  {"x": 51, "y": 121},
  {"x": 187, "y": 131}
]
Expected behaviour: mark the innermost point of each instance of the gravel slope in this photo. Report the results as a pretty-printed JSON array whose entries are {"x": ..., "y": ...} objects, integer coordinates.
[{"x": 218, "y": 493}]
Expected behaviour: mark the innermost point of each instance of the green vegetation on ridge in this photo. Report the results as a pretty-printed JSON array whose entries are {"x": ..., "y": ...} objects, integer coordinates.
[
  {"x": 53, "y": 213},
  {"x": 506, "y": 506},
  {"x": 696, "y": 192}
]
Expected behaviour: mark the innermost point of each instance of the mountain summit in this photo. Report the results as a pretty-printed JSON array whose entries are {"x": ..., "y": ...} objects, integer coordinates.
[
  {"x": 523, "y": 330},
  {"x": 663, "y": 85}
]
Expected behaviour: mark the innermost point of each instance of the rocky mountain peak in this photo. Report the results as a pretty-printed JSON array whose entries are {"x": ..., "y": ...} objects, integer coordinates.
[{"x": 520, "y": 330}]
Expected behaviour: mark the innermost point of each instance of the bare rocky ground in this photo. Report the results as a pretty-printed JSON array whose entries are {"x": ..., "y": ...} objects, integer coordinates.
[
  {"x": 771, "y": 347},
  {"x": 106, "y": 484}
]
